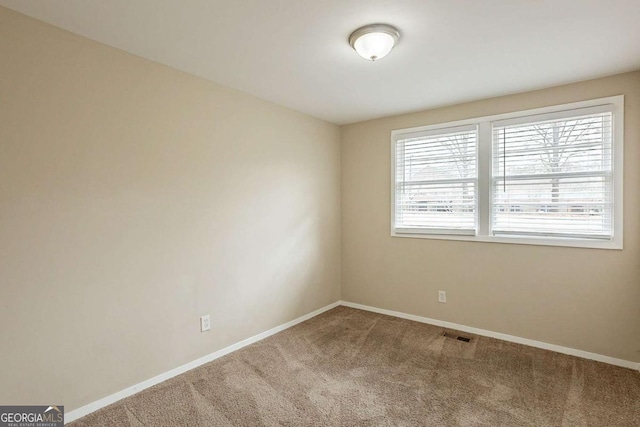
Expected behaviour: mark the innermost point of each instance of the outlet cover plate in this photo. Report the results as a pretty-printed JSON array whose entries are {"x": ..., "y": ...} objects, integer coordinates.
[
  {"x": 442, "y": 296},
  {"x": 205, "y": 323}
]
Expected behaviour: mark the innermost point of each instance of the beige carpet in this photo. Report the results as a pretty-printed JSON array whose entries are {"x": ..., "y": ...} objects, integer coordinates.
[{"x": 348, "y": 367}]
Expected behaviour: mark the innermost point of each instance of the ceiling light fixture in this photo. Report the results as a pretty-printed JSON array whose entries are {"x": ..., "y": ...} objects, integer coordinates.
[{"x": 374, "y": 41}]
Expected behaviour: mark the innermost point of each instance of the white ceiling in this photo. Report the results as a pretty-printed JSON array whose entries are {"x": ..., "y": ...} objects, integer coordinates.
[{"x": 295, "y": 52}]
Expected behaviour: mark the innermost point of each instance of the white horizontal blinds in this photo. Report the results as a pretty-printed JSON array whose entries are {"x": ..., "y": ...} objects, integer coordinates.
[
  {"x": 554, "y": 177},
  {"x": 436, "y": 181}
]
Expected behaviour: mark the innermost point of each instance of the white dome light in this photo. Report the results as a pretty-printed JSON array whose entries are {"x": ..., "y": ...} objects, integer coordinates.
[{"x": 374, "y": 41}]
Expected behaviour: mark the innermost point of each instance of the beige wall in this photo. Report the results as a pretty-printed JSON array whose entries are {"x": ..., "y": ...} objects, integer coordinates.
[
  {"x": 135, "y": 198},
  {"x": 586, "y": 299}
]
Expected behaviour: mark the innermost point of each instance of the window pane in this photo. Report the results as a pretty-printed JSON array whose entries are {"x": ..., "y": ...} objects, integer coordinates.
[
  {"x": 436, "y": 181},
  {"x": 554, "y": 178},
  {"x": 439, "y": 206}
]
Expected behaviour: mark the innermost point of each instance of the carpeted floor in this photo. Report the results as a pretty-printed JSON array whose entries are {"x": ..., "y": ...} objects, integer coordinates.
[{"x": 349, "y": 367}]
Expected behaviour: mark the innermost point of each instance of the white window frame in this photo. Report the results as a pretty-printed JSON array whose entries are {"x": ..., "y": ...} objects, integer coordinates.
[
  {"x": 438, "y": 132},
  {"x": 484, "y": 170}
]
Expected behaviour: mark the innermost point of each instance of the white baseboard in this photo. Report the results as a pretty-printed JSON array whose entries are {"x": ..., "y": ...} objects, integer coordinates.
[
  {"x": 105, "y": 401},
  {"x": 498, "y": 335}
]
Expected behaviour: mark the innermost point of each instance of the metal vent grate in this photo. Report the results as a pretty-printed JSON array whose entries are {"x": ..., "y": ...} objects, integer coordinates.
[{"x": 455, "y": 336}]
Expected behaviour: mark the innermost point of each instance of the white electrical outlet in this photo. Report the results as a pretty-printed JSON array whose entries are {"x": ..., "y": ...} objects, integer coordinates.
[
  {"x": 205, "y": 323},
  {"x": 442, "y": 296}
]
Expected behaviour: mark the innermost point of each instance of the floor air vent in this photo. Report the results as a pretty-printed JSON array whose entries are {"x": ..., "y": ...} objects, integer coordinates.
[{"x": 455, "y": 336}]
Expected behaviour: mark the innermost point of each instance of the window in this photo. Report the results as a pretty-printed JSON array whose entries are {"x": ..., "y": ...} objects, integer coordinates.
[
  {"x": 436, "y": 181},
  {"x": 550, "y": 176}
]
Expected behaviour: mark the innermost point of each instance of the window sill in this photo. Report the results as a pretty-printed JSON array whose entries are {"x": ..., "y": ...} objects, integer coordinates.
[{"x": 540, "y": 241}]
